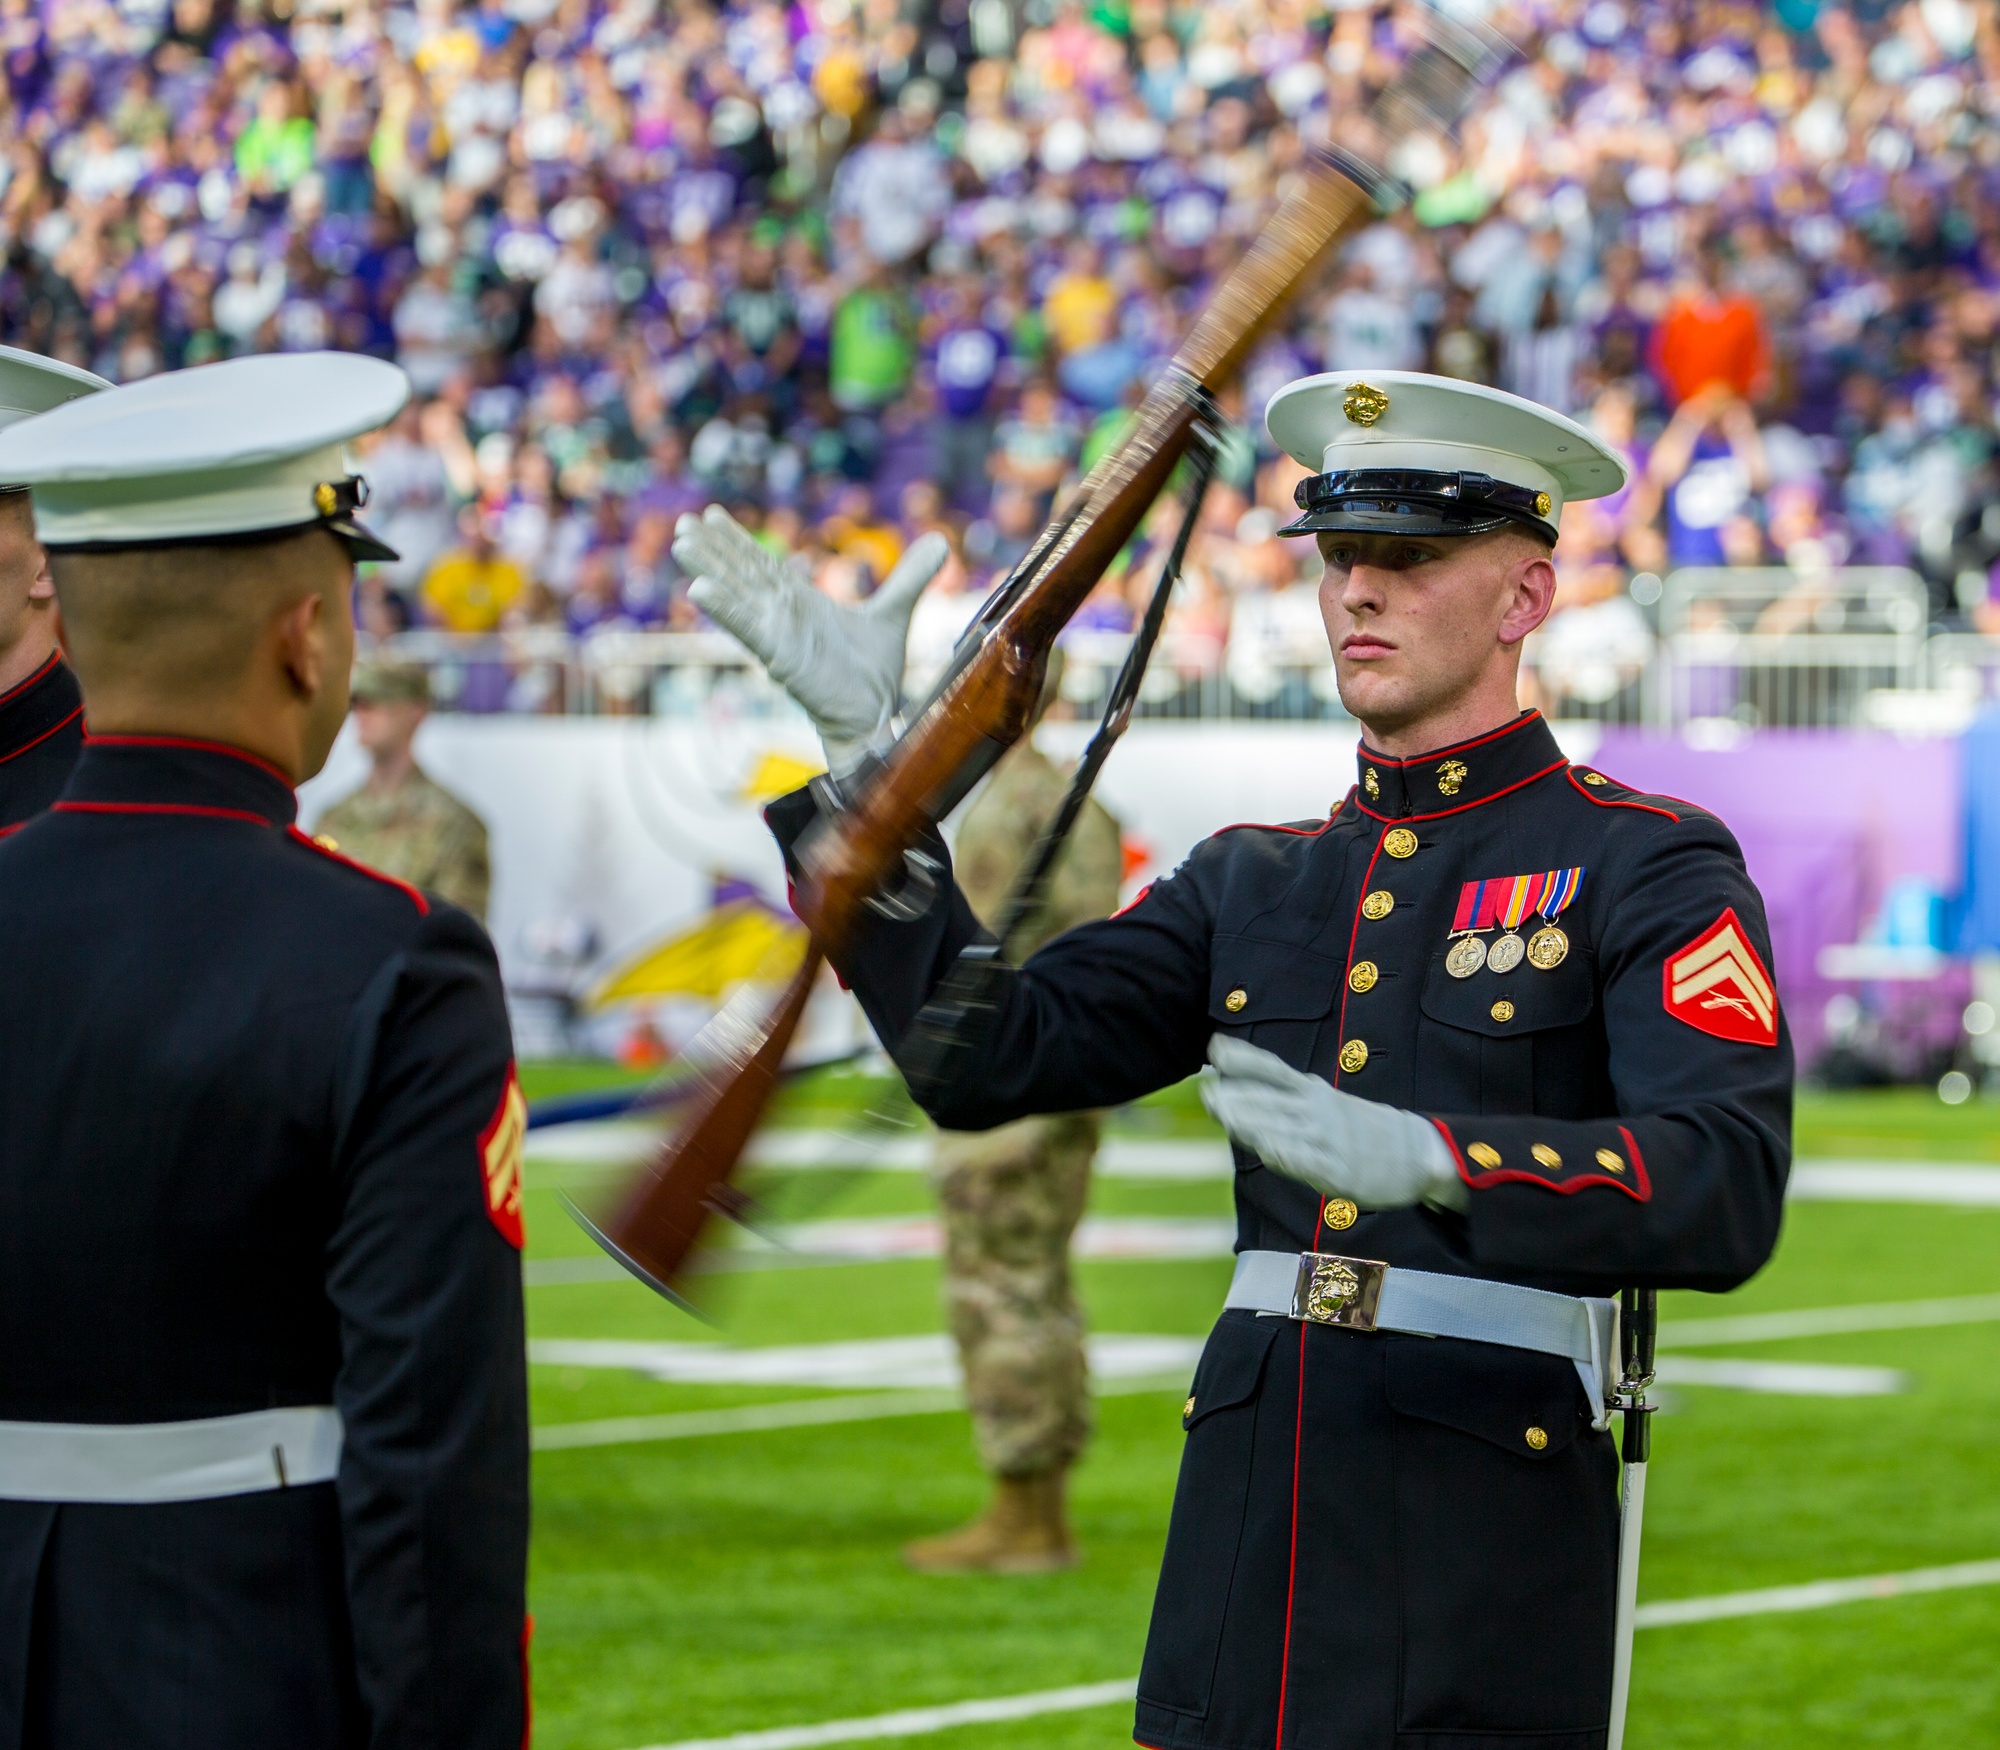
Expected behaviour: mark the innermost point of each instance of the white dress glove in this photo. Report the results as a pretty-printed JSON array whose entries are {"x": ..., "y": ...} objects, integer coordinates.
[
  {"x": 844, "y": 666},
  {"x": 1380, "y": 1157}
]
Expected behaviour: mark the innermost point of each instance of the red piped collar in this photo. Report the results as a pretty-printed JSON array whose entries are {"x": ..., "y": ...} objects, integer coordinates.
[
  {"x": 162, "y": 774},
  {"x": 1463, "y": 775},
  {"x": 34, "y": 709}
]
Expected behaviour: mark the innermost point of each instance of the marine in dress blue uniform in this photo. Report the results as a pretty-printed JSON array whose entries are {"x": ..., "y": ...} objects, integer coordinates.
[
  {"x": 41, "y": 710},
  {"x": 1553, "y": 990},
  {"x": 263, "y": 1428},
  {"x": 41, "y": 733}
]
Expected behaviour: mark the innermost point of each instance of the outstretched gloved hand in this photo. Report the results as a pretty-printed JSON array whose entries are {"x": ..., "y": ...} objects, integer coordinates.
[
  {"x": 844, "y": 666},
  {"x": 1379, "y": 1157}
]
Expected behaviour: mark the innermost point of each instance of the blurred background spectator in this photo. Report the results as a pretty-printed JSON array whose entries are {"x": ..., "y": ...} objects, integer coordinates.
[{"x": 797, "y": 257}]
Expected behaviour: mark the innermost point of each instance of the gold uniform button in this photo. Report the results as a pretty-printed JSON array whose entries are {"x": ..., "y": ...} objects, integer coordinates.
[
  {"x": 1399, "y": 841},
  {"x": 326, "y": 841},
  {"x": 1484, "y": 1154},
  {"x": 1609, "y": 1161},
  {"x": 1503, "y": 1010},
  {"x": 1547, "y": 1157},
  {"x": 1537, "y": 1438},
  {"x": 1340, "y": 1214},
  {"x": 1378, "y": 905},
  {"x": 1235, "y": 1001},
  {"x": 1595, "y": 778},
  {"x": 1363, "y": 976},
  {"x": 1354, "y": 1055}
]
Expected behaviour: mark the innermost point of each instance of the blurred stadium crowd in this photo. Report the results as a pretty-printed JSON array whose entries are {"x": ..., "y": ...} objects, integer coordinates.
[{"x": 862, "y": 269}]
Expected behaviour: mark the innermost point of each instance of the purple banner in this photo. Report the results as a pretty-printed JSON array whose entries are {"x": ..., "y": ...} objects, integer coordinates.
[{"x": 1827, "y": 820}]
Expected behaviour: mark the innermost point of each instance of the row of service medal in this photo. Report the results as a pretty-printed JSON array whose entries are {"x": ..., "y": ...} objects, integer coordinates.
[{"x": 1544, "y": 951}]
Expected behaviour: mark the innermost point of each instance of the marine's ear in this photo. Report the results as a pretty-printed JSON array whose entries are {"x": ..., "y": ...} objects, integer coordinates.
[
  {"x": 1531, "y": 584},
  {"x": 299, "y": 638}
]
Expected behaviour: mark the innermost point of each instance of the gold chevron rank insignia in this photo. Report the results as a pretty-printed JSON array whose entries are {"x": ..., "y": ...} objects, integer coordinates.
[
  {"x": 501, "y": 1145},
  {"x": 1718, "y": 984}
]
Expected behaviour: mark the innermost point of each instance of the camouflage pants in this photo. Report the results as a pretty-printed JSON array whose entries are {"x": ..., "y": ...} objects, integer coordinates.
[{"x": 1011, "y": 1199}]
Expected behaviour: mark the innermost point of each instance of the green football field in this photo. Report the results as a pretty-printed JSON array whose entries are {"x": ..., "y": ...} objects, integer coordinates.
[{"x": 707, "y": 1585}]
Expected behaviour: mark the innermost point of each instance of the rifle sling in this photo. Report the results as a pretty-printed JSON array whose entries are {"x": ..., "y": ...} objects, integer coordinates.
[{"x": 952, "y": 1019}]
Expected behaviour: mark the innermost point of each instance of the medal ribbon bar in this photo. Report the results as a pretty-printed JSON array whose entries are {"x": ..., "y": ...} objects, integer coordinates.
[{"x": 1504, "y": 900}]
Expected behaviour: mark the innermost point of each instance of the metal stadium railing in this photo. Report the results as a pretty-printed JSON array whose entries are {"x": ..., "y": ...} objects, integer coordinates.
[{"x": 1728, "y": 650}]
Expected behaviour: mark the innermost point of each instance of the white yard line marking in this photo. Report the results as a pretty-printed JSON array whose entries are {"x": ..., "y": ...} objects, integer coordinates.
[
  {"x": 872, "y": 1239},
  {"x": 1894, "y": 1182},
  {"x": 923, "y": 1721},
  {"x": 1797, "y": 1379},
  {"x": 917, "y": 1376},
  {"x": 791, "y": 1413},
  {"x": 1830, "y": 1321},
  {"x": 1969, "y": 1185},
  {"x": 926, "y": 1362},
  {"x": 1817, "y": 1594},
  {"x": 742, "y": 1419},
  {"x": 888, "y": 1239},
  {"x": 562, "y": 1272},
  {"x": 919, "y": 1722},
  {"x": 930, "y": 1363},
  {"x": 616, "y": 1144}
]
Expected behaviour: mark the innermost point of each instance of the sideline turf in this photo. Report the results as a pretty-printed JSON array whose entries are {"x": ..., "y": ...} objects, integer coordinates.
[{"x": 718, "y": 1585}]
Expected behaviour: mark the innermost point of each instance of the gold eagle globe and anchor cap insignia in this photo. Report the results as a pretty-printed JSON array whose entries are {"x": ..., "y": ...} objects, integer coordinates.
[{"x": 1365, "y": 403}]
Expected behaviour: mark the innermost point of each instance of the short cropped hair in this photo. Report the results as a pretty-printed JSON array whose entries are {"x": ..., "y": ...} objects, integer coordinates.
[{"x": 181, "y": 619}]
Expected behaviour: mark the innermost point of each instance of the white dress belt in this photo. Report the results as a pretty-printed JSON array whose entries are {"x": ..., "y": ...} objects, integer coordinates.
[
  {"x": 1361, "y": 1294},
  {"x": 169, "y": 1461}
]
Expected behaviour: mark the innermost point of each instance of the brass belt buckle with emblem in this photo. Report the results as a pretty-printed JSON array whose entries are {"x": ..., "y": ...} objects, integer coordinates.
[{"x": 1332, "y": 1290}]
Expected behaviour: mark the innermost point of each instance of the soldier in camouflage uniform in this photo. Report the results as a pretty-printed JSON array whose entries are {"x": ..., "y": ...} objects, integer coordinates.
[
  {"x": 400, "y": 821},
  {"x": 1011, "y": 1199}
]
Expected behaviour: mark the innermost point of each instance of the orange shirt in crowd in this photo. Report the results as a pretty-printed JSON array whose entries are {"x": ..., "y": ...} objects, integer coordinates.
[{"x": 1705, "y": 339}]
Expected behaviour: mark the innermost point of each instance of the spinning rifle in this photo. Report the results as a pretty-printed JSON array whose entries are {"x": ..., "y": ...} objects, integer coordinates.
[{"x": 987, "y": 697}]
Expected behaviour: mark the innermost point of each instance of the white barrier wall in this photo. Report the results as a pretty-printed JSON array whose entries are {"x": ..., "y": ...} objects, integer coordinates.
[{"x": 623, "y": 824}]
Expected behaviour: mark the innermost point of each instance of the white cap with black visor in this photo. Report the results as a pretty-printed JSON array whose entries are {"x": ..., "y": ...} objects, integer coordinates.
[
  {"x": 1406, "y": 453},
  {"x": 242, "y": 451},
  {"x": 31, "y": 384}
]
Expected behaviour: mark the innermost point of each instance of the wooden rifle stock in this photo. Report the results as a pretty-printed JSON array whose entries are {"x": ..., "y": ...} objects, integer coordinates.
[{"x": 859, "y": 853}]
